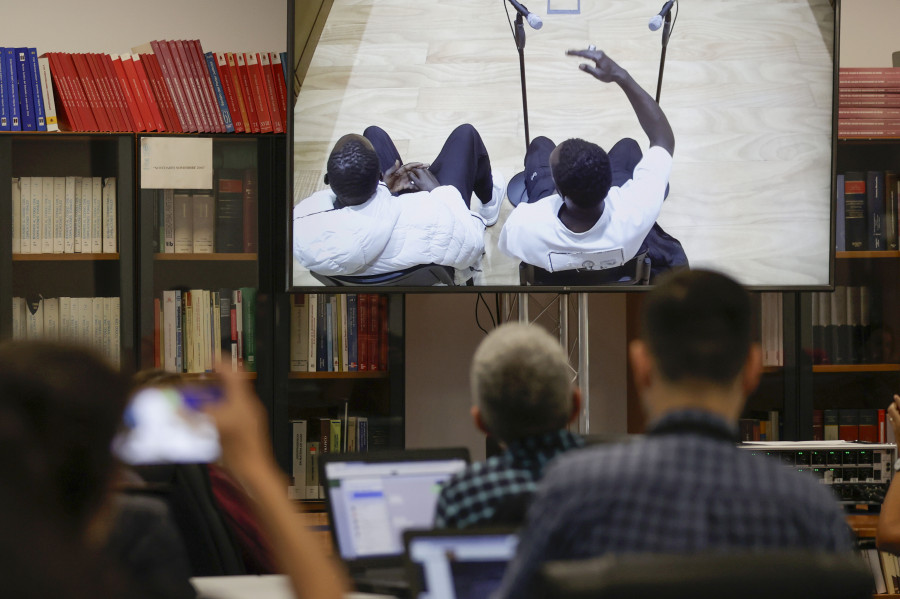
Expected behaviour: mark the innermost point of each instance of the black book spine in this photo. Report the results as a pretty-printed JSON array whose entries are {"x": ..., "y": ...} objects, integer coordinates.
[
  {"x": 229, "y": 212},
  {"x": 225, "y": 322},
  {"x": 875, "y": 205},
  {"x": 855, "y": 210}
]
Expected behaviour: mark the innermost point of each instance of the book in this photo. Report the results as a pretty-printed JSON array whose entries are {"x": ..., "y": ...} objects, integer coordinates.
[
  {"x": 848, "y": 424},
  {"x": 168, "y": 222},
  {"x": 321, "y": 334},
  {"x": 225, "y": 325},
  {"x": 5, "y": 119},
  {"x": 110, "y": 226},
  {"x": 183, "y": 223},
  {"x": 247, "y": 92},
  {"x": 173, "y": 83},
  {"x": 69, "y": 227},
  {"x": 337, "y": 438},
  {"x": 312, "y": 317},
  {"x": 24, "y": 193},
  {"x": 362, "y": 335},
  {"x": 47, "y": 99},
  {"x": 248, "y": 296},
  {"x": 68, "y": 118},
  {"x": 161, "y": 92},
  {"x": 12, "y": 96},
  {"x": 203, "y": 223},
  {"x": 855, "y": 212},
  {"x": 189, "y": 85},
  {"x": 219, "y": 91},
  {"x": 95, "y": 104},
  {"x": 82, "y": 101},
  {"x": 345, "y": 332},
  {"x": 156, "y": 122},
  {"x": 47, "y": 211},
  {"x": 891, "y": 198},
  {"x": 97, "y": 215},
  {"x": 352, "y": 327},
  {"x": 238, "y": 332},
  {"x": 258, "y": 92},
  {"x": 37, "y": 195},
  {"x": 141, "y": 110},
  {"x": 18, "y": 318},
  {"x": 16, "y": 217},
  {"x": 868, "y": 425},
  {"x": 231, "y": 98},
  {"x": 313, "y": 490},
  {"x": 383, "y": 331},
  {"x": 59, "y": 215},
  {"x": 34, "y": 77},
  {"x": 875, "y": 209},
  {"x": 229, "y": 211},
  {"x": 325, "y": 436},
  {"x": 818, "y": 429},
  {"x": 298, "y": 452},
  {"x": 278, "y": 76},
  {"x": 299, "y": 339},
  {"x": 51, "y": 319},
  {"x": 830, "y": 419},
  {"x": 25, "y": 88},
  {"x": 118, "y": 95},
  {"x": 87, "y": 216},
  {"x": 250, "y": 209},
  {"x": 207, "y": 89},
  {"x": 330, "y": 362},
  {"x": 271, "y": 94},
  {"x": 104, "y": 92},
  {"x": 362, "y": 434},
  {"x": 79, "y": 209}
]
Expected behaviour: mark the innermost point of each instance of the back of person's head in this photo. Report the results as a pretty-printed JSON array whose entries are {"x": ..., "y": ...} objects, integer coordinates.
[
  {"x": 60, "y": 407},
  {"x": 697, "y": 327},
  {"x": 521, "y": 382},
  {"x": 353, "y": 170},
  {"x": 582, "y": 172}
]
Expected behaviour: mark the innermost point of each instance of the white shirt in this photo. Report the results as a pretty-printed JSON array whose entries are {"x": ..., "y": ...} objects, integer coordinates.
[
  {"x": 386, "y": 233},
  {"x": 534, "y": 234}
]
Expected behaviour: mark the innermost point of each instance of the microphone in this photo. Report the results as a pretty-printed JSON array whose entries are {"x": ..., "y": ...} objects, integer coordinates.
[
  {"x": 657, "y": 21},
  {"x": 535, "y": 21}
]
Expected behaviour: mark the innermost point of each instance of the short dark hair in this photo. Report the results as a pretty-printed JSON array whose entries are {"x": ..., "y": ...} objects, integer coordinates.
[
  {"x": 582, "y": 172},
  {"x": 697, "y": 325},
  {"x": 60, "y": 408},
  {"x": 353, "y": 172}
]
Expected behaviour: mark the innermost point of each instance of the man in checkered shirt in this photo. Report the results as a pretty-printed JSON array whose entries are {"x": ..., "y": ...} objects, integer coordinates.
[
  {"x": 686, "y": 487},
  {"x": 524, "y": 397}
]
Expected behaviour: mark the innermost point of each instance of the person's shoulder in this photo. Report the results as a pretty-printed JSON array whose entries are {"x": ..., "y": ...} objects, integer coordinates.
[
  {"x": 318, "y": 202},
  {"x": 657, "y": 154}
]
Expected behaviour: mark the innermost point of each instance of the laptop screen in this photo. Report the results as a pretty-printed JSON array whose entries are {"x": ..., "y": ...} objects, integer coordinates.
[
  {"x": 372, "y": 503},
  {"x": 466, "y": 565}
]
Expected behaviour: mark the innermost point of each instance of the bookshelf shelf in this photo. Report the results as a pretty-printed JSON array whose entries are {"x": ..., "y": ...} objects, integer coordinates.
[
  {"x": 377, "y": 374},
  {"x": 63, "y": 257},
  {"x": 252, "y": 376},
  {"x": 856, "y": 368},
  {"x": 772, "y": 369},
  {"x": 248, "y": 257},
  {"x": 867, "y": 254}
]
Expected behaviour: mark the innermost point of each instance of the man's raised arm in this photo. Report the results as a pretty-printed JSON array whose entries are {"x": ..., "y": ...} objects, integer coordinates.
[{"x": 651, "y": 117}]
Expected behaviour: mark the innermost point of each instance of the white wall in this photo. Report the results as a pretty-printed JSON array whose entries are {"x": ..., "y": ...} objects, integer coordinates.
[
  {"x": 109, "y": 26},
  {"x": 441, "y": 337}
]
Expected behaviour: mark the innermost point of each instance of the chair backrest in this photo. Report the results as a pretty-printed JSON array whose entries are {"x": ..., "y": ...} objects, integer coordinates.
[
  {"x": 633, "y": 272},
  {"x": 739, "y": 575},
  {"x": 186, "y": 488},
  {"x": 422, "y": 275}
]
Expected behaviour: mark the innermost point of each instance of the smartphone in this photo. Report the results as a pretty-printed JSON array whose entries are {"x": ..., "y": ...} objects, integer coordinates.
[{"x": 165, "y": 425}]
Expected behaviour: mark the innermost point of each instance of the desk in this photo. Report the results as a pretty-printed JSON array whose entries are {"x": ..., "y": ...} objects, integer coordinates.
[{"x": 273, "y": 586}]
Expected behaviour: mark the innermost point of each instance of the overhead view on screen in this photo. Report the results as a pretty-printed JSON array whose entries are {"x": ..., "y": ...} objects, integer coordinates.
[{"x": 429, "y": 154}]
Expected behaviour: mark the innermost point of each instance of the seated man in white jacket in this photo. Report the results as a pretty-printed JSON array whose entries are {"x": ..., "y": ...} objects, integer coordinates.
[
  {"x": 597, "y": 207},
  {"x": 380, "y": 216}
]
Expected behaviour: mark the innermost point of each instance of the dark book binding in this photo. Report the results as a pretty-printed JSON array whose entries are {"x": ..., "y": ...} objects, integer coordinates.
[
  {"x": 855, "y": 227},
  {"x": 229, "y": 211},
  {"x": 848, "y": 424},
  {"x": 875, "y": 206}
]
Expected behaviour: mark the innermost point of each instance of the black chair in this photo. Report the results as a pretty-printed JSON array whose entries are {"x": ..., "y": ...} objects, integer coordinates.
[
  {"x": 186, "y": 488},
  {"x": 776, "y": 574},
  {"x": 633, "y": 272},
  {"x": 423, "y": 275}
]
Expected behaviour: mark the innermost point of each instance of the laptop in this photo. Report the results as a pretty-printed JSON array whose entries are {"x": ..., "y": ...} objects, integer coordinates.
[
  {"x": 457, "y": 564},
  {"x": 372, "y": 498}
]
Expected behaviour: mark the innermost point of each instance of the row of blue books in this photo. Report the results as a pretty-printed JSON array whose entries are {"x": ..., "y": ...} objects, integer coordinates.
[{"x": 25, "y": 92}]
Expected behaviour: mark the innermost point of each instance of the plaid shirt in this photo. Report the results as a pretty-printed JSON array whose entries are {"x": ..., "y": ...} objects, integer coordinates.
[
  {"x": 472, "y": 497},
  {"x": 683, "y": 489}
]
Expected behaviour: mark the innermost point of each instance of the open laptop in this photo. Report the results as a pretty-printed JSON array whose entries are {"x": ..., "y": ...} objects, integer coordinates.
[
  {"x": 457, "y": 564},
  {"x": 372, "y": 498}
]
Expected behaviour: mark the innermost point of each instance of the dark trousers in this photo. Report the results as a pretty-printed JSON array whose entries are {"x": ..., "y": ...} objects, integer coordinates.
[
  {"x": 463, "y": 161},
  {"x": 665, "y": 251}
]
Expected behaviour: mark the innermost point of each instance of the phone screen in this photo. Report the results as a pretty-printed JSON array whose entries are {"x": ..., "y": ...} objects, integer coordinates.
[{"x": 164, "y": 425}]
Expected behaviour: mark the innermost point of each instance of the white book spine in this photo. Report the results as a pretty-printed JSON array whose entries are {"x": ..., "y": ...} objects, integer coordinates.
[
  {"x": 87, "y": 203},
  {"x": 109, "y": 216},
  {"x": 169, "y": 220},
  {"x": 69, "y": 233},
  {"x": 203, "y": 223},
  {"x": 97, "y": 328},
  {"x": 65, "y": 319},
  {"x": 47, "y": 208},
  {"x": 59, "y": 215},
  {"x": 116, "y": 343},
  {"x": 298, "y": 338},
  {"x": 85, "y": 320},
  {"x": 312, "y": 306},
  {"x": 217, "y": 330},
  {"x": 79, "y": 213},
  {"x": 36, "y": 231},
  {"x": 16, "y": 216},
  {"x": 183, "y": 224},
  {"x": 96, "y": 215},
  {"x": 18, "y": 320},
  {"x": 51, "y": 319},
  {"x": 47, "y": 94},
  {"x": 106, "y": 340},
  {"x": 25, "y": 212}
]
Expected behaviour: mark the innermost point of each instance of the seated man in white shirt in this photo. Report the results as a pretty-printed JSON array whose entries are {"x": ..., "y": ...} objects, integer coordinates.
[
  {"x": 380, "y": 216},
  {"x": 603, "y": 203}
]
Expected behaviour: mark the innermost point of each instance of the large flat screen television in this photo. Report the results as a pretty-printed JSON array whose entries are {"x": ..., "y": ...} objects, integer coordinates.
[{"x": 748, "y": 88}]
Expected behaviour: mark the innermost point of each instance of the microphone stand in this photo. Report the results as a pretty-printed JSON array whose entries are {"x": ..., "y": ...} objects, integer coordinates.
[
  {"x": 515, "y": 190},
  {"x": 667, "y": 31},
  {"x": 520, "y": 46}
]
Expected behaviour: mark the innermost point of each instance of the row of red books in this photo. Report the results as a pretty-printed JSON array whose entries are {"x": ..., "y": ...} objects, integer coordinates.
[
  {"x": 869, "y": 102},
  {"x": 170, "y": 86}
]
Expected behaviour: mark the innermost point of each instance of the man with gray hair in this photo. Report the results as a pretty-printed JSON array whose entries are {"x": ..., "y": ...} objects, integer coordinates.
[{"x": 523, "y": 397}]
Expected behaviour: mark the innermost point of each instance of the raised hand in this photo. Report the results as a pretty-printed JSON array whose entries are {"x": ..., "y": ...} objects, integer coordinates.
[
  {"x": 604, "y": 68},
  {"x": 423, "y": 179}
]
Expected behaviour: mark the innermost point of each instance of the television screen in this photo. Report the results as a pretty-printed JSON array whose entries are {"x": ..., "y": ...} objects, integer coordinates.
[{"x": 747, "y": 88}]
